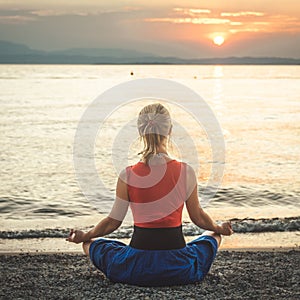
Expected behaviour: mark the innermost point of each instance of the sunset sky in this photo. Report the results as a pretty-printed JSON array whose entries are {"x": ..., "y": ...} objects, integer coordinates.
[{"x": 168, "y": 28}]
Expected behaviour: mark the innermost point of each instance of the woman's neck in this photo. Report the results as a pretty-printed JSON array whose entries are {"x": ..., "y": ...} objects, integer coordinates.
[{"x": 162, "y": 148}]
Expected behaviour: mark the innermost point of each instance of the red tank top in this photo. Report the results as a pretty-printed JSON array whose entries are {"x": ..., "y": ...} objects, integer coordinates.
[{"x": 157, "y": 194}]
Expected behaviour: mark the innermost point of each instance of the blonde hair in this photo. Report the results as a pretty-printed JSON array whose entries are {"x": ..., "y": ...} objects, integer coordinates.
[{"x": 154, "y": 126}]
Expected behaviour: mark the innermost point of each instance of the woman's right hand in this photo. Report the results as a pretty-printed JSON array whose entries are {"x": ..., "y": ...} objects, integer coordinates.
[{"x": 225, "y": 228}]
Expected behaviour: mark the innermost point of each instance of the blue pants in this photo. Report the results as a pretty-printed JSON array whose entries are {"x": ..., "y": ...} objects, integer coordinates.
[{"x": 122, "y": 263}]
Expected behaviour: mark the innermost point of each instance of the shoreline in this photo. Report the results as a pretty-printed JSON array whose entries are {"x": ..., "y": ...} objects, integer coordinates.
[
  {"x": 234, "y": 275},
  {"x": 265, "y": 241}
]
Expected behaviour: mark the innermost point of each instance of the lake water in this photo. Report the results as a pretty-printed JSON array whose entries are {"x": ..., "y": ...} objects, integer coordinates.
[{"x": 258, "y": 108}]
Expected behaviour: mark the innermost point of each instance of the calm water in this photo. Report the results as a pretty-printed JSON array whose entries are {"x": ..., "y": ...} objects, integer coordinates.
[{"x": 258, "y": 108}]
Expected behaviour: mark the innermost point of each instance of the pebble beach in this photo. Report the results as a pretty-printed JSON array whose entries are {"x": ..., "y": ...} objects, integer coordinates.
[{"x": 234, "y": 275}]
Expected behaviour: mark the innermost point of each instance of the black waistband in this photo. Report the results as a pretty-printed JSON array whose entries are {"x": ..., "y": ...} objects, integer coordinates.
[{"x": 157, "y": 238}]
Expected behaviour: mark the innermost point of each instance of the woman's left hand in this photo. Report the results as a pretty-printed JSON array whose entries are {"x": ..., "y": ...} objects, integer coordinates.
[
  {"x": 77, "y": 236},
  {"x": 225, "y": 228}
]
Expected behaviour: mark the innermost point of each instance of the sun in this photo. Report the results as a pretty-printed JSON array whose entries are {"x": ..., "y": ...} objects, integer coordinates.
[{"x": 218, "y": 40}]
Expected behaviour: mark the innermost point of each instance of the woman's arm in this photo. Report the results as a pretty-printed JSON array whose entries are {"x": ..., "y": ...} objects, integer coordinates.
[
  {"x": 200, "y": 218},
  {"x": 108, "y": 224}
]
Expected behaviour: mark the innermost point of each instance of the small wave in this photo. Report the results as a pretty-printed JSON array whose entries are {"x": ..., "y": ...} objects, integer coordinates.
[
  {"x": 22, "y": 207},
  {"x": 248, "y": 225},
  {"x": 244, "y": 196},
  {"x": 189, "y": 229}
]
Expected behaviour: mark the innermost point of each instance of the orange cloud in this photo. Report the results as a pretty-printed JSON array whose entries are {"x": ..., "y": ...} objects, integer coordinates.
[
  {"x": 205, "y": 21},
  {"x": 192, "y": 10},
  {"x": 242, "y": 14}
]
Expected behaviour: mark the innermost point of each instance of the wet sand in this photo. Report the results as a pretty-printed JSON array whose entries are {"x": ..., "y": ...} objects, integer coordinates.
[
  {"x": 234, "y": 275},
  {"x": 249, "y": 241}
]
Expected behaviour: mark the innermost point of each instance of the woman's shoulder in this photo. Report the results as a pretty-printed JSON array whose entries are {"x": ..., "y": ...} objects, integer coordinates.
[
  {"x": 188, "y": 170},
  {"x": 181, "y": 163},
  {"x": 131, "y": 168}
]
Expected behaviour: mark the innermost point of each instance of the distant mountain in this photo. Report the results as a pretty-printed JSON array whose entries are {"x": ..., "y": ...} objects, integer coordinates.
[
  {"x": 10, "y": 48},
  {"x": 102, "y": 52},
  {"x": 14, "y": 53}
]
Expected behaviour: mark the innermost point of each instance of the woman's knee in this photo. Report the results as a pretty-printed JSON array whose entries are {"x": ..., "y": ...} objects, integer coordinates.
[{"x": 217, "y": 236}]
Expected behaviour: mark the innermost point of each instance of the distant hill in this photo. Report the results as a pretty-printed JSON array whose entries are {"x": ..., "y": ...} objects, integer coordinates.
[
  {"x": 102, "y": 52},
  {"x": 14, "y": 53},
  {"x": 9, "y": 48}
]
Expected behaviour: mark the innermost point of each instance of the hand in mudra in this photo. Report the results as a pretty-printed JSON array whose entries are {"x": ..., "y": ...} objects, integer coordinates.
[
  {"x": 225, "y": 228},
  {"x": 76, "y": 236}
]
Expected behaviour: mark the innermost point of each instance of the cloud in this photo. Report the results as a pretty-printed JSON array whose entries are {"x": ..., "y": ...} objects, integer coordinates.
[
  {"x": 242, "y": 14},
  {"x": 15, "y": 16},
  {"x": 192, "y": 11},
  {"x": 15, "y": 19},
  {"x": 201, "y": 16},
  {"x": 48, "y": 13},
  {"x": 200, "y": 11},
  {"x": 80, "y": 12},
  {"x": 204, "y": 21}
]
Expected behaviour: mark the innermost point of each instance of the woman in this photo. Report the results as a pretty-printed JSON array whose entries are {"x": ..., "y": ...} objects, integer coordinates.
[{"x": 156, "y": 189}]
